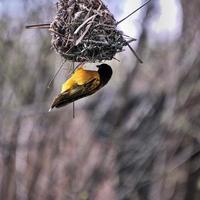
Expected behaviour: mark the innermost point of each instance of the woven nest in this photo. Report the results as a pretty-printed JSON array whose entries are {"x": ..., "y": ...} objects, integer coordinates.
[{"x": 85, "y": 31}]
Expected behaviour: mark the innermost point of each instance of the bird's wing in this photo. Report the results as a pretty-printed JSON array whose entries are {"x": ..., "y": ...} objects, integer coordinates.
[
  {"x": 79, "y": 77},
  {"x": 77, "y": 92}
]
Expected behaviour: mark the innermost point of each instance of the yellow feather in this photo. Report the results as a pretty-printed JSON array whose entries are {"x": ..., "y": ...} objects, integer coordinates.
[{"x": 79, "y": 77}]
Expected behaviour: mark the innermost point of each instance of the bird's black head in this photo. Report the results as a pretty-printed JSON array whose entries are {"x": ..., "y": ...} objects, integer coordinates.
[{"x": 105, "y": 72}]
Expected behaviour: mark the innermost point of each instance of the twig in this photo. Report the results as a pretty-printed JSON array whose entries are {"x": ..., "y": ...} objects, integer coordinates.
[
  {"x": 131, "y": 40},
  {"x": 116, "y": 59},
  {"x": 85, "y": 32},
  {"x": 54, "y": 76},
  {"x": 38, "y": 26},
  {"x": 83, "y": 24},
  {"x": 132, "y": 13},
  {"x": 138, "y": 58}
]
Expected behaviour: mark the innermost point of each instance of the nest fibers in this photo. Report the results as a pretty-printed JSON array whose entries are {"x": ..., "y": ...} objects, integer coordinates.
[{"x": 85, "y": 31}]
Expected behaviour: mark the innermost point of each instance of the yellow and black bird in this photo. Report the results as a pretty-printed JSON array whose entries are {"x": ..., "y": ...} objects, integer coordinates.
[{"x": 82, "y": 83}]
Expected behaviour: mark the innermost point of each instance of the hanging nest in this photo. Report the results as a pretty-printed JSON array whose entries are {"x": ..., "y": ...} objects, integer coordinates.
[{"x": 85, "y": 31}]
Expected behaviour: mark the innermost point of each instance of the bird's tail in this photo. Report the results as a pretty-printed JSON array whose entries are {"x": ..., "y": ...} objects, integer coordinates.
[
  {"x": 67, "y": 97},
  {"x": 74, "y": 94},
  {"x": 61, "y": 100}
]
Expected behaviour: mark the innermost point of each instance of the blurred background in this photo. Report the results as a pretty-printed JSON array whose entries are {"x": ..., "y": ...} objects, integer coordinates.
[{"x": 136, "y": 139}]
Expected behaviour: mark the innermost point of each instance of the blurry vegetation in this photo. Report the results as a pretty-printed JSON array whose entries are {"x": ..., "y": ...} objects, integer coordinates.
[{"x": 137, "y": 139}]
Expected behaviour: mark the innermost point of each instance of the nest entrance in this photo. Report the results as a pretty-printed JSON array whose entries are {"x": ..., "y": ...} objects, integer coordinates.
[{"x": 85, "y": 31}]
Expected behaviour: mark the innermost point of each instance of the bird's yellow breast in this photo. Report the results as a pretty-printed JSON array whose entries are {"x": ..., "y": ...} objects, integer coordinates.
[{"x": 79, "y": 77}]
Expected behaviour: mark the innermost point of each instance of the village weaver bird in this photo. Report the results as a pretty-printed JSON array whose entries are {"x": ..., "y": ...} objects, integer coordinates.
[{"x": 82, "y": 83}]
